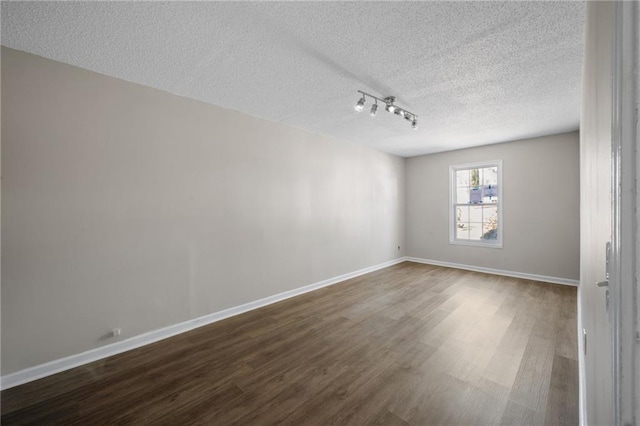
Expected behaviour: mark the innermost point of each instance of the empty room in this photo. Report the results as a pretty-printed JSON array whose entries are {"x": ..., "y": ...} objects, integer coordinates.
[{"x": 350, "y": 213}]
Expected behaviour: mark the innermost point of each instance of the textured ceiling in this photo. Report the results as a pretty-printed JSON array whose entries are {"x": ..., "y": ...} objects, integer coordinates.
[{"x": 475, "y": 72}]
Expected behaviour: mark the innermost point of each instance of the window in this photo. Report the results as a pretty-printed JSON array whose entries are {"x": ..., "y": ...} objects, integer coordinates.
[{"x": 476, "y": 204}]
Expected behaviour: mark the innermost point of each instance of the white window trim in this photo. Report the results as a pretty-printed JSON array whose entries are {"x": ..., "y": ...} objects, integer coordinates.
[{"x": 453, "y": 196}]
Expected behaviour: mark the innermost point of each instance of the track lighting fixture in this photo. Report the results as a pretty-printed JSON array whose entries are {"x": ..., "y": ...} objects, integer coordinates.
[{"x": 389, "y": 107}]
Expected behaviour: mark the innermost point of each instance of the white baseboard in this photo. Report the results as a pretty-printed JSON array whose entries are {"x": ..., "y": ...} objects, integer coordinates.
[
  {"x": 62, "y": 364},
  {"x": 582, "y": 376},
  {"x": 535, "y": 277}
]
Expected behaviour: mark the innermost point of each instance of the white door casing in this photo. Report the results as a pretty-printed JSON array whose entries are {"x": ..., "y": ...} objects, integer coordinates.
[
  {"x": 609, "y": 212},
  {"x": 624, "y": 287},
  {"x": 596, "y": 213}
]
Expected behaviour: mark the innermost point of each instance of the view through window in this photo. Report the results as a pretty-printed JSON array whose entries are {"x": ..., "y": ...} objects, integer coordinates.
[{"x": 475, "y": 208}]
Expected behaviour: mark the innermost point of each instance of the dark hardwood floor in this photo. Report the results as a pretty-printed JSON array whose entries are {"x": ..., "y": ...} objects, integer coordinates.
[{"x": 410, "y": 344}]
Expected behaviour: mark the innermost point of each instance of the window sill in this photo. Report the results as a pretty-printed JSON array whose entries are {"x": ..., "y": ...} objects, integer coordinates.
[{"x": 476, "y": 244}]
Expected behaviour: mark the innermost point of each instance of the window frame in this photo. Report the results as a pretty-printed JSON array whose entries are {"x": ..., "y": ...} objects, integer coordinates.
[{"x": 497, "y": 243}]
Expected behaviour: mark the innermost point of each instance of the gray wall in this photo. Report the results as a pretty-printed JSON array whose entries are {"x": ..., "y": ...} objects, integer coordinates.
[
  {"x": 540, "y": 207},
  {"x": 124, "y": 206}
]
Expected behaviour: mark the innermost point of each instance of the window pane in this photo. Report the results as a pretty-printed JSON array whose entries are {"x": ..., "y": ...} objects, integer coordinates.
[
  {"x": 490, "y": 194},
  {"x": 489, "y": 213},
  {"x": 475, "y": 214},
  {"x": 462, "y": 233},
  {"x": 474, "y": 177},
  {"x": 490, "y": 176},
  {"x": 475, "y": 231},
  {"x": 462, "y": 213},
  {"x": 490, "y": 223},
  {"x": 463, "y": 195},
  {"x": 462, "y": 178},
  {"x": 475, "y": 195},
  {"x": 490, "y": 231}
]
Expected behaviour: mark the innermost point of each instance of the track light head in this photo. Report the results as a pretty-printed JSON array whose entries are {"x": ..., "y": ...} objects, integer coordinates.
[
  {"x": 360, "y": 104},
  {"x": 374, "y": 109},
  {"x": 389, "y": 100},
  {"x": 414, "y": 124}
]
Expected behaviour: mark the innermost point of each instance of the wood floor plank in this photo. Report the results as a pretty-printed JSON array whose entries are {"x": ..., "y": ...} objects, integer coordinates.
[
  {"x": 479, "y": 407},
  {"x": 532, "y": 382},
  {"x": 562, "y": 404},
  {"x": 517, "y": 414},
  {"x": 411, "y": 344}
]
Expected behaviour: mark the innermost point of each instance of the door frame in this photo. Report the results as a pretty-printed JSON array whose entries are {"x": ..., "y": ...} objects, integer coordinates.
[{"x": 624, "y": 277}]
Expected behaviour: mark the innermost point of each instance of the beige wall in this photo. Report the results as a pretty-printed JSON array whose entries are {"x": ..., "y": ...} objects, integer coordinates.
[
  {"x": 124, "y": 206},
  {"x": 540, "y": 207}
]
